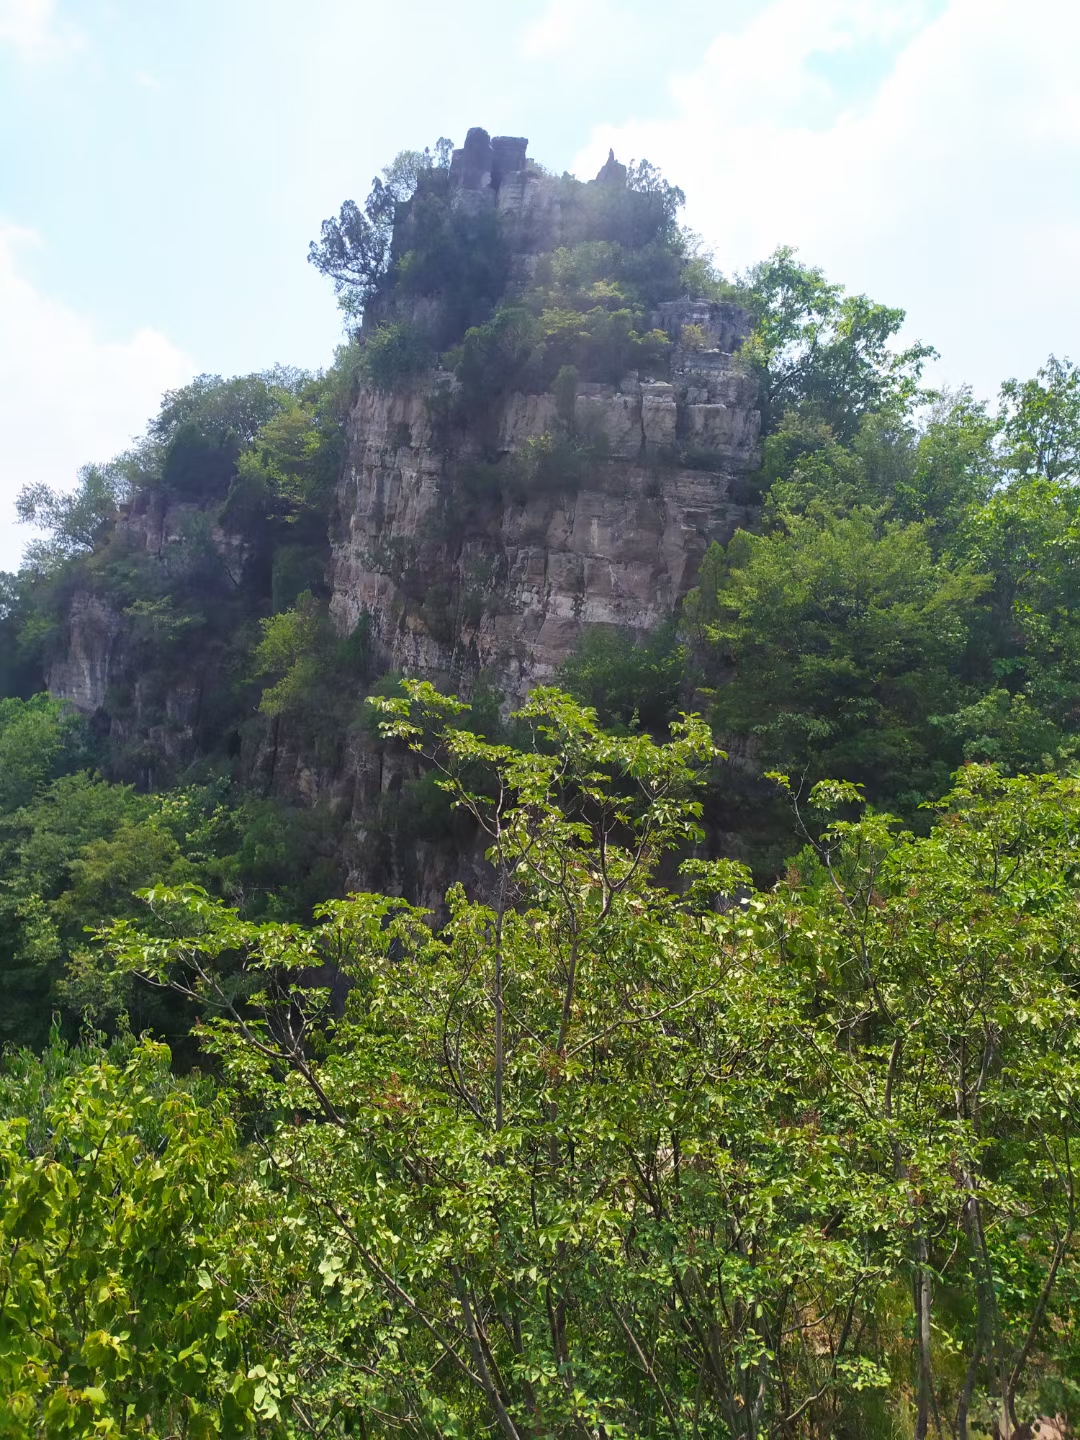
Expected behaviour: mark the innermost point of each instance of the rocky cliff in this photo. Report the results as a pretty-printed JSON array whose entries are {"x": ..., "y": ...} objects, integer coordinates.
[
  {"x": 475, "y": 535},
  {"x": 510, "y": 592},
  {"x": 96, "y": 649},
  {"x": 456, "y": 583}
]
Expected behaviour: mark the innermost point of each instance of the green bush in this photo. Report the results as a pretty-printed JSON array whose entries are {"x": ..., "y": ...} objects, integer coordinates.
[
  {"x": 565, "y": 388},
  {"x": 555, "y": 462},
  {"x": 462, "y": 259},
  {"x": 493, "y": 356},
  {"x": 295, "y": 568},
  {"x": 395, "y": 355},
  {"x": 628, "y": 680}
]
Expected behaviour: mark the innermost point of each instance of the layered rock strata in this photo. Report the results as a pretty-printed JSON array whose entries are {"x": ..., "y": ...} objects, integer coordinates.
[{"x": 453, "y": 588}]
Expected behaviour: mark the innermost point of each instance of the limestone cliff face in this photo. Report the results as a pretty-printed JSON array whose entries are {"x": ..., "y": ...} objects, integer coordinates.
[
  {"x": 109, "y": 662},
  {"x": 505, "y": 586},
  {"x": 467, "y": 558},
  {"x": 455, "y": 584},
  {"x": 96, "y": 650},
  {"x": 81, "y": 670}
]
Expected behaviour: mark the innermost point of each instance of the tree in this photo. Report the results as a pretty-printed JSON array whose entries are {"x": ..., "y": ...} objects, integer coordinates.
[
  {"x": 354, "y": 249},
  {"x": 627, "y": 680},
  {"x": 1026, "y": 536},
  {"x": 217, "y": 409},
  {"x": 76, "y": 519},
  {"x": 605, "y": 1154},
  {"x": 837, "y": 638},
  {"x": 1042, "y": 422},
  {"x": 36, "y": 736},
  {"x": 955, "y": 465},
  {"x": 125, "y": 1307},
  {"x": 70, "y": 857},
  {"x": 962, "y": 984},
  {"x": 825, "y": 352}
]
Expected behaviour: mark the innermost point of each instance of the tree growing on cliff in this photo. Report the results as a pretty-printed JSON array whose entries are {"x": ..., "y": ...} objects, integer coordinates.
[
  {"x": 75, "y": 520},
  {"x": 353, "y": 249}
]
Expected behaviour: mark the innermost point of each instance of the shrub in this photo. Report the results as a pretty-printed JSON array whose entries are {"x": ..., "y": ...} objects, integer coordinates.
[
  {"x": 196, "y": 467},
  {"x": 310, "y": 662},
  {"x": 565, "y": 388},
  {"x": 492, "y": 356},
  {"x": 296, "y": 568},
  {"x": 628, "y": 680},
  {"x": 461, "y": 258},
  {"x": 395, "y": 355}
]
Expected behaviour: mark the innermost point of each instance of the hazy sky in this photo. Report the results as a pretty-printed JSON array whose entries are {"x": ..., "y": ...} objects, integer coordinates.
[{"x": 164, "y": 163}]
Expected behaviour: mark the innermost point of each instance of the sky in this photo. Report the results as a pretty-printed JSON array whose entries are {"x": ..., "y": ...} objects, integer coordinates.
[{"x": 164, "y": 164}]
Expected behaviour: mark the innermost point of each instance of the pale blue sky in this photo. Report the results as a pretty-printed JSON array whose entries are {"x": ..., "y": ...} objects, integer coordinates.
[{"x": 164, "y": 163}]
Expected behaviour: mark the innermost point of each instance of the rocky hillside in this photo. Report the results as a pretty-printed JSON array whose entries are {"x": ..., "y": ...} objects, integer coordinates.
[
  {"x": 557, "y": 446},
  {"x": 456, "y": 583},
  {"x": 476, "y": 535}
]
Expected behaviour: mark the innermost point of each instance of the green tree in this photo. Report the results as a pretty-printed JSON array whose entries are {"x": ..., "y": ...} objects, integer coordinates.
[
  {"x": 1026, "y": 536},
  {"x": 1042, "y": 422},
  {"x": 603, "y": 1154},
  {"x": 125, "y": 1307},
  {"x": 71, "y": 857},
  {"x": 823, "y": 351},
  {"x": 627, "y": 679},
  {"x": 354, "y": 249},
  {"x": 37, "y": 737},
  {"x": 836, "y": 639},
  {"x": 76, "y": 520},
  {"x": 218, "y": 408},
  {"x": 394, "y": 355}
]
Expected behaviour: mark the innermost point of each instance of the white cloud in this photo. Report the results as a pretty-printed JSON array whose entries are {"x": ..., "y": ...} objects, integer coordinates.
[
  {"x": 66, "y": 395},
  {"x": 33, "y": 29},
  {"x": 586, "y": 40},
  {"x": 950, "y": 187},
  {"x": 553, "y": 31}
]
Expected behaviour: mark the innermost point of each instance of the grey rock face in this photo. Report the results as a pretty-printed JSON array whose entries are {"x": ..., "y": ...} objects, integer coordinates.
[
  {"x": 81, "y": 674},
  {"x": 484, "y": 164},
  {"x": 725, "y": 325},
  {"x": 455, "y": 584},
  {"x": 611, "y": 172},
  {"x": 453, "y": 588}
]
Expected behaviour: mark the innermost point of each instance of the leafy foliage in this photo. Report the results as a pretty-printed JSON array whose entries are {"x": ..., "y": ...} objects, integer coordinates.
[
  {"x": 1042, "y": 422},
  {"x": 354, "y": 249},
  {"x": 824, "y": 351},
  {"x": 76, "y": 520},
  {"x": 124, "y": 1308},
  {"x": 845, "y": 636},
  {"x": 818, "y": 670},
  {"x": 601, "y": 1153},
  {"x": 300, "y": 647},
  {"x": 627, "y": 682},
  {"x": 396, "y": 354}
]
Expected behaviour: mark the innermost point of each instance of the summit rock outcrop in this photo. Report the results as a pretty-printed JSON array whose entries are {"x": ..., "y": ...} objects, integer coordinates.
[{"x": 503, "y": 582}]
